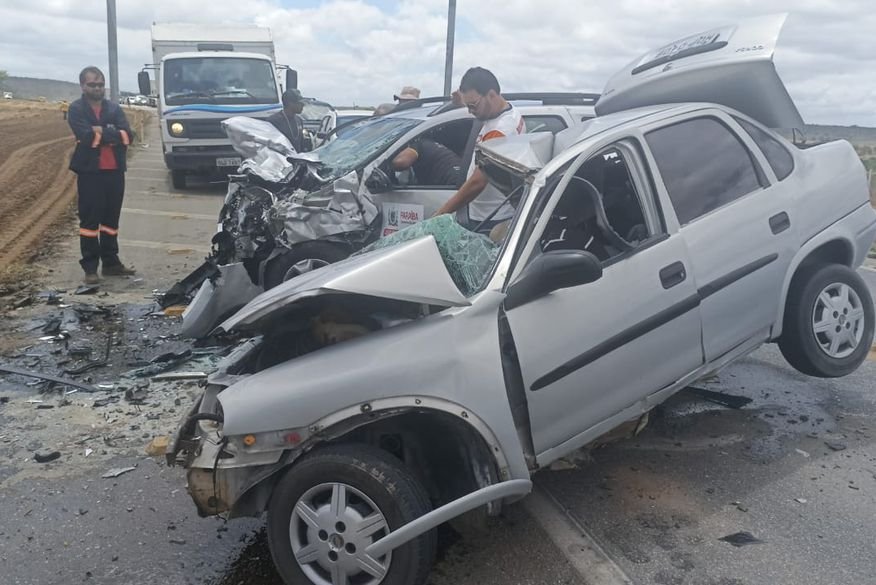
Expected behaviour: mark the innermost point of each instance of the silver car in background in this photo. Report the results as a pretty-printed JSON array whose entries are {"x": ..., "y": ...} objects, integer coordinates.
[{"x": 676, "y": 232}]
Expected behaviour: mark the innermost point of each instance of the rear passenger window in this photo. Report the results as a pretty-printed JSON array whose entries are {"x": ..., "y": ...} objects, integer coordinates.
[
  {"x": 704, "y": 166},
  {"x": 776, "y": 154},
  {"x": 551, "y": 124}
]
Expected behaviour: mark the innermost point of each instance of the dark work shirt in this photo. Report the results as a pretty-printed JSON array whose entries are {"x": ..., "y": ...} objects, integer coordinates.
[
  {"x": 290, "y": 126},
  {"x": 436, "y": 164}
]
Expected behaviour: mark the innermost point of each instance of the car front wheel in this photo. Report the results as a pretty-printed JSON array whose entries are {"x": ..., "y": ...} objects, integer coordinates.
[
  {"x": 302, "y": 258},
  {"x": 328, "y": 508},
  {"x": 829, "y": 321}
]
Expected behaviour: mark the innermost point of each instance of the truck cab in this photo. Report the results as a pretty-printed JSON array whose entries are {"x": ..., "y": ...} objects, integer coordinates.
[{"x": 204, "y": 77}]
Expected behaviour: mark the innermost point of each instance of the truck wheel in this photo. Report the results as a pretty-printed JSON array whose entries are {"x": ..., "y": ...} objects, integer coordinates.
[
  {"x": 178, "y": 178},
  {"x": 327, "y": 509},
  {"x": 300, "y": 259},
  {"x": 829, "y": 320}
]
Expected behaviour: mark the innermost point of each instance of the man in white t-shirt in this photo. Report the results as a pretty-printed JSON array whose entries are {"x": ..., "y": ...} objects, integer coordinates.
[{"x": 480, "y": 93}]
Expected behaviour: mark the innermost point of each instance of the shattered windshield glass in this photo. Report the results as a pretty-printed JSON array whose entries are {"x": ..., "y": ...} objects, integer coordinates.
[
  {"x": 219, "y": 80},
  {"x": 361, "y": 144}
]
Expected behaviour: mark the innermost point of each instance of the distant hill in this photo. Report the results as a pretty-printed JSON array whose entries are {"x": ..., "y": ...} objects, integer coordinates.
[
  {"x": 51, "y": 89},
  {"x": 854, "y": 134}
]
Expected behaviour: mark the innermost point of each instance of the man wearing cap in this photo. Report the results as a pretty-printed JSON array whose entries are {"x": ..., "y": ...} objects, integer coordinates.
[
  {"x": 288, "y": 120},
  {"x": 407, "y": 94}
]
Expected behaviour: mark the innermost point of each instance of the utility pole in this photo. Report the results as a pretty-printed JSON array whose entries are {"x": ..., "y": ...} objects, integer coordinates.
[
  {"x": 448, "y": 57},
  {"x": 112, "y": 42}
]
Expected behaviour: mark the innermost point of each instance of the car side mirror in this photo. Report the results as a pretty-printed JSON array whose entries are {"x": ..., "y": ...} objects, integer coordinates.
[
  {"x": 379, "y": 181},
  {"x": 552, "y": 271},
  {"x": 291, "y": 79},
  {"x": 144, "y": 83}
]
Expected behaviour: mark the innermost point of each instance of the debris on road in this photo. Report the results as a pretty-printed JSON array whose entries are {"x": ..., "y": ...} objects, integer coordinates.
[
  {"x": 48, "y": 378},
  {"x": 117, "y": 472},
  {"x": 87, "y": 289},
  {"x": 722, "y": 398},
  {"x": 802, "y": 452},
  {"x": 46, "y": 456},
  {"x": 158, "y": 446},
  {"x": 835, "y": 446},
  {"x": 801, "y": 500},
  {"x": 740, "y": 539}
]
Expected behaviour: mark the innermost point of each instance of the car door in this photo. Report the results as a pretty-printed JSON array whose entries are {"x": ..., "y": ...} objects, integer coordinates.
[
  {"x": 588, "y": 352},
  {"x": 736, "y": 219},
  {"x": 409, "y": 202}
]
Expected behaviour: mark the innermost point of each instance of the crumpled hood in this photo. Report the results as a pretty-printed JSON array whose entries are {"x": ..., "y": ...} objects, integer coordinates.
[{"x": 413, "y": 272}]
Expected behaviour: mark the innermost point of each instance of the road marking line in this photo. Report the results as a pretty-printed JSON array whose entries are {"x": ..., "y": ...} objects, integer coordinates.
[
  {"x": 169, "y": 247},
  {"x": 574, "y": 541},
  {"x": 171, "y": 214}
]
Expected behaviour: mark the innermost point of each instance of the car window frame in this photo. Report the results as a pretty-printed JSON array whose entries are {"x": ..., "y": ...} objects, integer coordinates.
[
  {"x": 763, "y": 171},
  {"x": 546, "y": 115},
  {"x": 421, "y": 130},
  {"x": 737, "y": 118},
  {"x": 527, "y": 247}
]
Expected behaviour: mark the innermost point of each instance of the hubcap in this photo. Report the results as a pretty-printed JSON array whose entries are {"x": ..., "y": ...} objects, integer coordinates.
[
  {"x": 304, "y": 266},
  {"x": 838, "y": 320},
  {"x": 331, "y": 526}
]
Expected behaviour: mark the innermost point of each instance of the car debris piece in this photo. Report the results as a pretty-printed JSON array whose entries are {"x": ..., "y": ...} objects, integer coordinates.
[
  {"x": 116, "y": 472},
  {"x": 80, "y": 351},
  {"x": 174, "y": 310},
  {"x": 835, "y": 446},
  {"x": 802, "y": 452},
  {"x": 46, "y": 456},
  {"x": 136, "y": 395},
  {"x": 158, "y": 446},
  {"x": 48, "y": 378},
  {"x": 52, "y": 326},
  {"x": 105, "y": 401},
  {"x": 180, "y": 376},
  {"x": 87, "y": 289},
  {"x": 722, "y": 398},
  {"x": 800, "y": 500},
  {"x": 739, "y": 539},
  {"x": 96, "y": 363}
]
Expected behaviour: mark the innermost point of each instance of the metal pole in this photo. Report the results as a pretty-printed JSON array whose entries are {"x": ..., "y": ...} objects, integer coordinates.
[
  {"x": 113, "y": 50},
  {"x": 448, "y": 58}
]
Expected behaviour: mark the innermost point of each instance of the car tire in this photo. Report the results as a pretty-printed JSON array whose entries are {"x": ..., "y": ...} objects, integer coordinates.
[
  {"x": 300, "y": 259},
  {"x": 829, "y": 321},
  {"x": 178, "y": 179},
  {"x": 375, "y": 485}
]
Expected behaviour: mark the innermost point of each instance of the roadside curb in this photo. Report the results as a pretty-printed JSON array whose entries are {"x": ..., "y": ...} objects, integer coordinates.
[{"x": 573, "y": 540}]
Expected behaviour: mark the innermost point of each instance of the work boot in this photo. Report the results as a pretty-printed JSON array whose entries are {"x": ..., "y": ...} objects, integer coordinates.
[
  {"x": 118, "y": 270},
  {"x": 92, "y": 278}
]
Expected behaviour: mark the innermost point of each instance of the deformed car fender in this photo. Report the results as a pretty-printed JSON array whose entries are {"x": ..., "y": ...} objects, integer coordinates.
[{"x": 451, "y": 356}]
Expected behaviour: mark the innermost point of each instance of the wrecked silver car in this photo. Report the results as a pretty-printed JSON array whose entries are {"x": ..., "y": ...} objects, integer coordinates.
[
  {"x": 375, "y": 398},
  {"x": 288, "y": 213}
]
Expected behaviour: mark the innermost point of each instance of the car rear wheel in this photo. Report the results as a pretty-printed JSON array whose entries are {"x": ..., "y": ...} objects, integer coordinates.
[
  {"x": 300, "y": 259},
  {"x": 829, "y": 321},
  {"x": 327, "y": 509}
]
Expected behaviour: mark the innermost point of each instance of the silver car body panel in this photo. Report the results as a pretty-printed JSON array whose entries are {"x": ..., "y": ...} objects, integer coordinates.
[
  {"x": 412, "y": 272},
  {"x": 731, "y": 65},
  {"x": 215, "y": 300}
]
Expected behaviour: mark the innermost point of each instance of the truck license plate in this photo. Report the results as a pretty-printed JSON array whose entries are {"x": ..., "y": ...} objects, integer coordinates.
[{"x": 227, "y": 162}]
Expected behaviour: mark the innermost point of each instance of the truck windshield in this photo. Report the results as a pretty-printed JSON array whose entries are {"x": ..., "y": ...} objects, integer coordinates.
[
  {"x": 362, "y": 144},
  {"x": 219, "y": 80}
]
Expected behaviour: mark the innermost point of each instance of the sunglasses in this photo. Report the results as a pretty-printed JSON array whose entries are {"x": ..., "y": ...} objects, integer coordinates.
[
  {"x": 94, "y": 85},
  {"x": 474, "y": 105}
]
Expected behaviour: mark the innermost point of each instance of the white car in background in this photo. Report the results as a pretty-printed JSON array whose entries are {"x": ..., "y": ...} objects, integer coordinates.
[{"x": 7, "y": 95}]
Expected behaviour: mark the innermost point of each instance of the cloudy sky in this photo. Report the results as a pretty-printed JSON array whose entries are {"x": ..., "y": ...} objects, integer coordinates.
[{"x": 362, "y": 51}]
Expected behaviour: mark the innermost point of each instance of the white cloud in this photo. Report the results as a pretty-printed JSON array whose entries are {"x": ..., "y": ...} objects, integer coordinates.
[{"x": 356, "y": 51}]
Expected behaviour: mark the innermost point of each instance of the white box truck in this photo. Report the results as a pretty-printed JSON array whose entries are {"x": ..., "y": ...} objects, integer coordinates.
[{"x": 206, "y": 74}]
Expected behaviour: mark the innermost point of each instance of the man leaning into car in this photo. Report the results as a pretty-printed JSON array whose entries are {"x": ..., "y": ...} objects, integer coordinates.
[{"x": 480, "y": 93}]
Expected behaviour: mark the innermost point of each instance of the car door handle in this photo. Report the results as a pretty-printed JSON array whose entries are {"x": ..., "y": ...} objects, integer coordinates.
[
  {"x": 780, "y": 222},
  {"x": 673, "y": 275}
]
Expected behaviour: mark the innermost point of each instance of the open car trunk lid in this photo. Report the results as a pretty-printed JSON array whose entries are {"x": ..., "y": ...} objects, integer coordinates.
[
  {"x": 731, "y": 65},
  {"x": 412, "y": 271}
]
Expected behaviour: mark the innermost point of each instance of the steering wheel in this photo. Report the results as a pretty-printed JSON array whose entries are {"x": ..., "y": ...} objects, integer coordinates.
[{"x": 612, "y": 237}]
